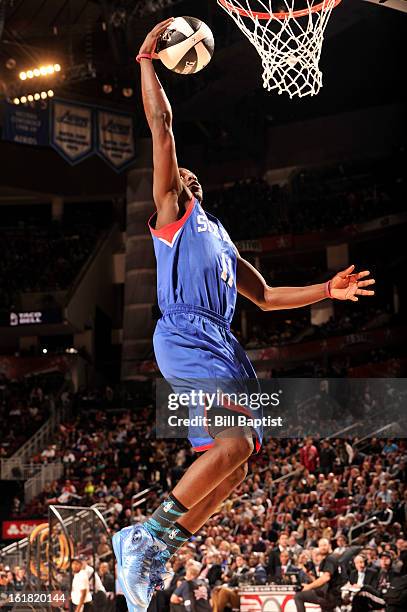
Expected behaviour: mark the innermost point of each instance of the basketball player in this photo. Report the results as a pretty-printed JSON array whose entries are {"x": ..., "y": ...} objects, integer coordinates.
[{"x": 199, "y": 274}]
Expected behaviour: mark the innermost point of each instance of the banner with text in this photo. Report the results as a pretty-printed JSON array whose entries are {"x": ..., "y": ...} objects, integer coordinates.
[
  {"x": 26, "y": 125},
  {"x": 17, "y": 529},
  {"x": 115, "y": 138},
  {"x": 72, "y": 131}
]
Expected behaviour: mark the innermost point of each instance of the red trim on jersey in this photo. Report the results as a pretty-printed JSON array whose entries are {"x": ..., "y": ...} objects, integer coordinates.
[
  {"x": 205, "y": 447},
  {"x": 168, "y": 232}
]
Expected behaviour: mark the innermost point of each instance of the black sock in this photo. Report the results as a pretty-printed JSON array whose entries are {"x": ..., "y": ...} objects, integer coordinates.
[
  {"x": 163, "y": 519},
  {"x": 175, "y": 538}
]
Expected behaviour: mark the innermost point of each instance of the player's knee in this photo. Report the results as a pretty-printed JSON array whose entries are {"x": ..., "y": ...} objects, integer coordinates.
[
  {"x": 247, "y": 446},
  {"x": 239, "y": 475},
  {"x": 236, "y": 450}
]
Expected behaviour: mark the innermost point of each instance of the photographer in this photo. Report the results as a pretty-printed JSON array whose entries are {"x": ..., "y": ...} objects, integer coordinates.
[{"x": 325, "y": 589}]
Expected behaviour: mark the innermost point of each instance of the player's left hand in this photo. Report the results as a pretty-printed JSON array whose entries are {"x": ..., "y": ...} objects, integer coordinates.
[{"x": 348, "y": 285}]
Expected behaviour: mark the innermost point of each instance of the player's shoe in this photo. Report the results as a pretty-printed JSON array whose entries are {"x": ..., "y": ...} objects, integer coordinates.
[
  {"x": 137, "y": 553},
  {"x": 160, "y": 575}
]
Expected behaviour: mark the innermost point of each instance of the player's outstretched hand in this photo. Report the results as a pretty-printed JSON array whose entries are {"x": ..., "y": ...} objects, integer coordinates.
[
  {"x": 348, "y": 285},
  {"x": 152, "y": 37}
]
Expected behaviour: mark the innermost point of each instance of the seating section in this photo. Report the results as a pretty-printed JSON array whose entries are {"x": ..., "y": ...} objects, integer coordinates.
[
  {"x": 42, "y": 258},
  {"x": 24, "y": 406}
]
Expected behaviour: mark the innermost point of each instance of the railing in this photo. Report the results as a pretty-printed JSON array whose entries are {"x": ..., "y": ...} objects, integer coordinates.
[
  {"x": 48, "y": 472},
  {"x": 13, "y": 469},
  {"x": 17, "y": 467},
  {"x": 14, "y": 554},
  {"x": 140, "y": 498},
  {"x": 371, "y": 524},
  {"x": 374, "y": 434}
]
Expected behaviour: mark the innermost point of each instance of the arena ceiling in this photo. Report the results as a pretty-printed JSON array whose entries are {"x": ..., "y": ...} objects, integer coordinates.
[{"x": 95, "y": 42}]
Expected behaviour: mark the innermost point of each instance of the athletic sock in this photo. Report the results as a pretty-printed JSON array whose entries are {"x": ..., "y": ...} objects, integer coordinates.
[
  {"x": 175, "y": 538},
  {"x": 165, "y": 517}
]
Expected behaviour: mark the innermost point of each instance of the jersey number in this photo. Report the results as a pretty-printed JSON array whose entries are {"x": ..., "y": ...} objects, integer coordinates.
[{"x": 227, "y": 270}]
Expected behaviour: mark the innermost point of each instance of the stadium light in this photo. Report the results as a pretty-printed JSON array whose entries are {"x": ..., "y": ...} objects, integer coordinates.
[
  {"x": 40, "y": 71},
  {"x": 31, "y": 97}
]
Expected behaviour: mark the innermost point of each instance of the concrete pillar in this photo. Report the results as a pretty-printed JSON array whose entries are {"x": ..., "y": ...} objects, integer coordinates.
[
  {"x": 84, "y": 340},
  {"x": 140, "y": 293}
]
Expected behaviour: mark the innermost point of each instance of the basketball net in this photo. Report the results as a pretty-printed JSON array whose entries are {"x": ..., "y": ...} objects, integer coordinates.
[{"x": 289, "y": 43}]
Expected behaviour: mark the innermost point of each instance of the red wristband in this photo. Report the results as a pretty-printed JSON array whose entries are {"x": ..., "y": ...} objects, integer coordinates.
[
  {"x": 328, "y": 289},
  {"x": 141, "y": 56}
]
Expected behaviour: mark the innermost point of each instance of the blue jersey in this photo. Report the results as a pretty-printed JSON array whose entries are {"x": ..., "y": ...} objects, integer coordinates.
[
  {"x": 196, "y": 262},
  {"x": 193, "y": 344}
]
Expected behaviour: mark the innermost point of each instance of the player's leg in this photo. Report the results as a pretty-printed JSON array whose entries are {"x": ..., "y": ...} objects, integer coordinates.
[
  {"x": 153, "y": 542},
  {"x": 197, "y": 516},
  {"x": 231, "y": 448}
]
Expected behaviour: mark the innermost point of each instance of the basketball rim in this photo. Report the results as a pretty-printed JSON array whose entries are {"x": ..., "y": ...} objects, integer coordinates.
[{"x": 317, "y": 8}]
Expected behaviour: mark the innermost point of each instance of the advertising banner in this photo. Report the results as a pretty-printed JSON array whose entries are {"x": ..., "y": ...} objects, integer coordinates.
[
  {"x": 271, "y": 601},
  {"x": 17, "y": 529},
  {"x": 38, "y": 317}
]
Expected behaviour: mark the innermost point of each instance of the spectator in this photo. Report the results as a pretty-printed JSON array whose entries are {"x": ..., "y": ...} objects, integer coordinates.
[
  {"x": 327, "y": 457},
  {"x": 372, "y": 597},
  {"x": 192, "y": 593},
  {"x": 362, "y": 575},
  {"x": 309, "y": 456},
  {"x": 274, "y": 557}
]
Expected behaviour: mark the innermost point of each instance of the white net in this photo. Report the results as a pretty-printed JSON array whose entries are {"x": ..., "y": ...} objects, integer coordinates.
[{"x": 289, "y": 46}]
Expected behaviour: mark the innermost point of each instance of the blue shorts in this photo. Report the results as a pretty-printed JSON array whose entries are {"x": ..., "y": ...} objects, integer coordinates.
[{"x": 194, "y": 347}]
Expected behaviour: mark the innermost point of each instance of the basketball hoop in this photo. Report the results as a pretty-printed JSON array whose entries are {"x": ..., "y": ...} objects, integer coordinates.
[{"x": 289, "y": 43}]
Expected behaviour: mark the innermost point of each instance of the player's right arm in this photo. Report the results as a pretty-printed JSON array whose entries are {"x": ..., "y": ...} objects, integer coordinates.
[{"x": 169, "y": 193}]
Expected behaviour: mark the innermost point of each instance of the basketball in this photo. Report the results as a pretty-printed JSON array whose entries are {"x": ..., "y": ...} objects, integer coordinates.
[{"x": 186, "y": 46}]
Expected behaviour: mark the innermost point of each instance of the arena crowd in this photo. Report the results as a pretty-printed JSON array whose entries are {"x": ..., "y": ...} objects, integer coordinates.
[{"x": 269, "y": 530}]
